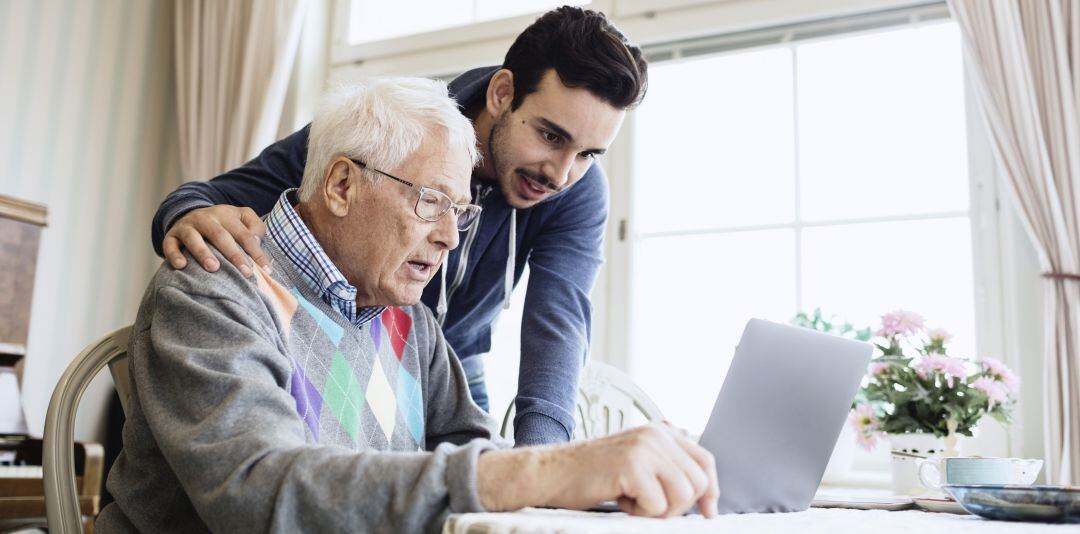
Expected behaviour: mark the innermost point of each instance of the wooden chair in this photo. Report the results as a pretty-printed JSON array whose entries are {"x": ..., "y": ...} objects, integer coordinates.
[
  {"x": 62, "y": 492},
  {"x": 606, "y": 401}
]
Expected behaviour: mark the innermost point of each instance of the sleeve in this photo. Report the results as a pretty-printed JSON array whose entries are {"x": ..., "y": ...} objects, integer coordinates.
[
  {"x": 555, "y": 324},
  {"x": 451, "y": 416},
  {"x": 213, "y": 391},
  {"x": 257, "y": 185}
]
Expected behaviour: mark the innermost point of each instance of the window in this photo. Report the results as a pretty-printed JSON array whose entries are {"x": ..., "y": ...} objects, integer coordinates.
[
  {"x": 826, "y": 173},
  {"x": 374, "y": 20}
]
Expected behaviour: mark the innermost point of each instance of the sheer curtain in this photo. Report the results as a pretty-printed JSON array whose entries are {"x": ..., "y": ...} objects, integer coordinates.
[
  {"x": 234, "y": 59},
  {"x": 1025, "y": 55}
]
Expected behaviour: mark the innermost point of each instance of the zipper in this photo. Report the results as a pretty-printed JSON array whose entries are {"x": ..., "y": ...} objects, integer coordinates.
[{"x": 481, "y": 192}]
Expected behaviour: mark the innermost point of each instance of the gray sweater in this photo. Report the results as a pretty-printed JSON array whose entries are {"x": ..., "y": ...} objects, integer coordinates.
[{"x": 256, "y": 407}]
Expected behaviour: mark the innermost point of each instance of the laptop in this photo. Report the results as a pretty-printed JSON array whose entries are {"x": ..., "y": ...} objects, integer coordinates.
[{"x": 776, "y": 420}]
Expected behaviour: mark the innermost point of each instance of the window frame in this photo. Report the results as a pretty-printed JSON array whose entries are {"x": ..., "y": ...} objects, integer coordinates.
[
  {"x": 462, "y": 39},
  {"x": 1008, "y": 296},
  {"x": 984, "y": 215},
  {"x": 650, "y": 23}
]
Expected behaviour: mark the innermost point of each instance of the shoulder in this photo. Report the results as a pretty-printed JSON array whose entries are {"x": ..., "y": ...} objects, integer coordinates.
[
  {"x": 226, "y": 282},
  {"x": 470, "y": 86},
  {"x": 584, "y": 206},
  {"x": 590, "y": 194},
  {"x": 225, "y": 288}
]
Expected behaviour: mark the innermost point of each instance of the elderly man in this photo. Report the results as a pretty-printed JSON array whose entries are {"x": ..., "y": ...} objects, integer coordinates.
[{"x": 322, "y": 396}]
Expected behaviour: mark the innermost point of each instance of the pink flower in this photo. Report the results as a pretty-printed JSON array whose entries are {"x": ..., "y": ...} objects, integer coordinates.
[
  {"x": 877, "y": 368},
  {"x": 949, "y": 367},
  {"x": 865, "y": 425},
  {"x": 899, "y": 322},
  {"x": 1001, "y": 372},
  {"x": 993, "y": 389},
  {"x": 939, "y": 334}
]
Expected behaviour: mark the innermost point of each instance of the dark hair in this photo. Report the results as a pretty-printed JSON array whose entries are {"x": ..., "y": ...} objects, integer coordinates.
[{"x": 586, "y": 50}]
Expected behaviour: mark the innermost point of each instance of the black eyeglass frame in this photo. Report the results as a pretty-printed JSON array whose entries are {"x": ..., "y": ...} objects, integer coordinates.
[{"x": 472, "y": 210}]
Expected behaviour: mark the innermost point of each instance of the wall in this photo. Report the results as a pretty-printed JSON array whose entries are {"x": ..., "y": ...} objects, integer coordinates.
[{"x": 87, "y": 127}]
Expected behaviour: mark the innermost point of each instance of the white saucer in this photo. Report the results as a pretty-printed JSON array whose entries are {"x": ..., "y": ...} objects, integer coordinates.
[{"x": 939, "y": 504}]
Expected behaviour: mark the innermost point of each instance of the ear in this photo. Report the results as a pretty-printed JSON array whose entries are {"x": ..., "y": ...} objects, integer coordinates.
[
  {"x": 500, "y": 92},
  {"x": 340, "y": 185}
]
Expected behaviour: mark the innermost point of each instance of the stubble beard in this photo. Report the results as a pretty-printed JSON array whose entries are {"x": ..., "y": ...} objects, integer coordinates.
[{"x": 504, "y": 176}]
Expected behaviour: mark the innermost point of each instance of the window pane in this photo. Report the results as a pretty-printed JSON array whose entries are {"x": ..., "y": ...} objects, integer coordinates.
[
  {"x": 714, "y": 143},
  {"x": 861, "y": 271},
  {"x": 882, "y": 124},
  {"x": 692, "y": 296},
  {"x": 374, "y": 20},
  {"x": 498, "y": 9}
]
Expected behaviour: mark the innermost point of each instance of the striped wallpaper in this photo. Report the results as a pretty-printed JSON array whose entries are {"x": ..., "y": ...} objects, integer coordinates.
[{"x": 87, "y": 127}]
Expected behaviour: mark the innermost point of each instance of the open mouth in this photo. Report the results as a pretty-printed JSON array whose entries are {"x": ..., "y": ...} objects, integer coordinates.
[
  {"x": 530, "y": 189},
  {"x": 420, "y": 270}
]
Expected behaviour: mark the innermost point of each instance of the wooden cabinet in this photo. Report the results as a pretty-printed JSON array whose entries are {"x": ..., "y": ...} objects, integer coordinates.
[
  {"x": 21, "y": 223},
  {"x": 20, "y": 233}
]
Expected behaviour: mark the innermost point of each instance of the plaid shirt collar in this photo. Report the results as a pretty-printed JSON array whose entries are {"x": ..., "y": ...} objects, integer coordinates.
[{"x": 288, "y": 231}]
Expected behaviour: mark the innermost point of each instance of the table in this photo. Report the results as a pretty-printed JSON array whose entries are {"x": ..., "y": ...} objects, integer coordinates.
[{"x": 812, "y": 521}]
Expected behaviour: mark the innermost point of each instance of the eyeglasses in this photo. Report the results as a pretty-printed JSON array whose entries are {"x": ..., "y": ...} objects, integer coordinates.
[{"x": 432, "y": 204}]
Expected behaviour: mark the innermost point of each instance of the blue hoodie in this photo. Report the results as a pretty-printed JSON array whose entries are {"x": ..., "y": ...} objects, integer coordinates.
[{"x": 560, "y": 238}]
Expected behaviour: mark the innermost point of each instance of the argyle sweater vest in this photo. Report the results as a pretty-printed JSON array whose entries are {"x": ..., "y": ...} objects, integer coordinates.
[{"x": 355, "y": 387}]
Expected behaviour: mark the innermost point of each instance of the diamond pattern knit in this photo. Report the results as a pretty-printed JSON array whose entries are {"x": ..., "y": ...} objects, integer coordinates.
[{"x": 356, "y": 387}]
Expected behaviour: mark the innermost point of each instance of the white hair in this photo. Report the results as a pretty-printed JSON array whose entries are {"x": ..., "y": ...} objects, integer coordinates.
[{"x": 382, "y": 121}]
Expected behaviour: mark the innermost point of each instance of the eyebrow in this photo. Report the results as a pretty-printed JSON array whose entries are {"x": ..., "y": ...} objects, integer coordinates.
[
  {"x": 444, "y": 188},
  {"x": 561, "y": 132}
]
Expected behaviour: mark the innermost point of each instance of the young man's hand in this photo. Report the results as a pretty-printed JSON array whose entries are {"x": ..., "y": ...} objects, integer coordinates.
[
  {"x": 236, "y": 232},
  {"x": 653, "y": 471}
]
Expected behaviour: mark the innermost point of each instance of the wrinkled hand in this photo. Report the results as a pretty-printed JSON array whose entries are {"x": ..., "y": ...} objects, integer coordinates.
[
  {"x": 228, "y": 228},
  {"x": 652, "y": 471}
]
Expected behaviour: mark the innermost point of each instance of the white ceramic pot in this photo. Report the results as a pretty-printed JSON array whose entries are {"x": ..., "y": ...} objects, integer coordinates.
[{"x": 906, "y": 452}]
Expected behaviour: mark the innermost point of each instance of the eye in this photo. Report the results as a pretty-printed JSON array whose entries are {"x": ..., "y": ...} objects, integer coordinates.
[
  {"x": 429, "y": 198},
  {"x": 587, "y": 155},
  {"x": 550, "y": 137}
]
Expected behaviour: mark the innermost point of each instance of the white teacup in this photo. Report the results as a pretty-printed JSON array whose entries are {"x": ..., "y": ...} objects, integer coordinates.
[{"x": 936, "y": 471}]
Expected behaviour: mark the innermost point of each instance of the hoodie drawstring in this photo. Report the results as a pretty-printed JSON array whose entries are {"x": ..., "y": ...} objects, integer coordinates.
[
  {"x": 508, "y": 283},
  {"x": 440, "y": 310}
]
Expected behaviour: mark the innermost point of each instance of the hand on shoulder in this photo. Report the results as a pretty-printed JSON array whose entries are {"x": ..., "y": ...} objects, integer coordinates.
[{"x": 236, "y": 232}]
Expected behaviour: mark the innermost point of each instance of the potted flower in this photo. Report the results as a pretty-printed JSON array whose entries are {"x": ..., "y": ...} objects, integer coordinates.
[
  {"x": 915, "y": 390},
  {"x": 917, "y": 395}
]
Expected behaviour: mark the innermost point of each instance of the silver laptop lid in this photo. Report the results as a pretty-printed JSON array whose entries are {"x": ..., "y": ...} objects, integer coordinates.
[{"x": 779, "y": 413}]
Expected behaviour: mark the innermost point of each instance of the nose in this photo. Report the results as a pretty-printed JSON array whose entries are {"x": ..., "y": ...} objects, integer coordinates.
[
  {"x": 445, "y": 232},
  {"x": 560, "y": 170}
]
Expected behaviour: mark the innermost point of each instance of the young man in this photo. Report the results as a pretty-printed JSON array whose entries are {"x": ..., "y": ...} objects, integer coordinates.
[
  {"x": 322, "y": 397},
  {"x": 555, "y": 104}
]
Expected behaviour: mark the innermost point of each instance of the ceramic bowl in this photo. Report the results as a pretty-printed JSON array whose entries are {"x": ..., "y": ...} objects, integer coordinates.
[{"x": 1047, "y": 504}]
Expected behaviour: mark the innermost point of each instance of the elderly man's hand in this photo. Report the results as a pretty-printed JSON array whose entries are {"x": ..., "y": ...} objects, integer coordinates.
[
  {"x": 652, "y": 471},
  {"x": 228, "y": 227}
]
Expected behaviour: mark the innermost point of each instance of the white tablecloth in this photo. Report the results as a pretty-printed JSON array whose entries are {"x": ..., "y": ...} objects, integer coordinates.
[{"x": 812, "y": 521}]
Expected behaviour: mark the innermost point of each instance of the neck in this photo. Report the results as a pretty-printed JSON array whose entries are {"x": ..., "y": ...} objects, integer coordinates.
[
  {"x": 326, "y": 228},
  {"x": 483, "y": 123},
  {"x": 321, "y": 228}
]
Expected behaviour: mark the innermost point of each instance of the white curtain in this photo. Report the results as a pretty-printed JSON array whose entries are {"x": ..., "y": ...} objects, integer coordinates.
[
  {"x": 1024, "y": 54},
  {"x": 234, "y": 59}
]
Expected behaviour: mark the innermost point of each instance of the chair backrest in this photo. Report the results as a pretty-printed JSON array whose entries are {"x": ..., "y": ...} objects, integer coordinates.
[
  {"x": 606, "y": 400},
  {"x": 58, "y": 461}
]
